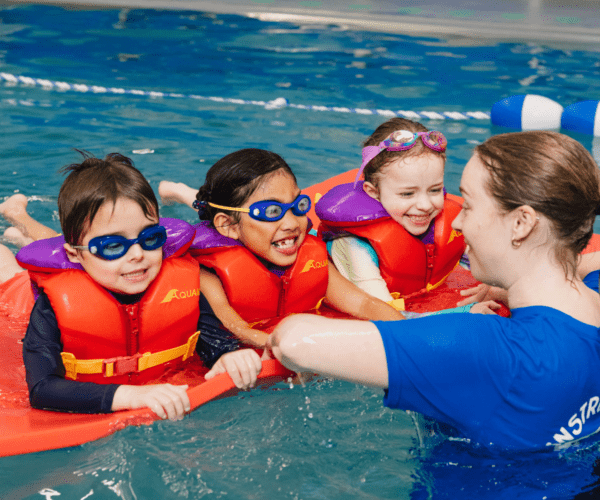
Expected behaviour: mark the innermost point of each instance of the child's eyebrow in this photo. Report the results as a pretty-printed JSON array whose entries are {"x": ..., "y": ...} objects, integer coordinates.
[
  {"x": 121, "y": 233},
  {"x": 279, "y": 200},
  {"x": 407, "y": 188}
]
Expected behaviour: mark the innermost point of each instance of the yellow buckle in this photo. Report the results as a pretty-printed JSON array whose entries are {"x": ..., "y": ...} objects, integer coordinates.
[
  {"x": 70, "y": 362},
  {"x": 191, "y": 345}
]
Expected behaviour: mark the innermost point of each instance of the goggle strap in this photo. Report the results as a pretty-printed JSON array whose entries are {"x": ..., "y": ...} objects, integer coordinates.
[
  {"x": 368, "y": 153},
  {"x": 234, "y": 209}
]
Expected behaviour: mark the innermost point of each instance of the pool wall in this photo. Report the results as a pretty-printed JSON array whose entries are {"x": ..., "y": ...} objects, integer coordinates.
[{"x": 568, "y": 21}]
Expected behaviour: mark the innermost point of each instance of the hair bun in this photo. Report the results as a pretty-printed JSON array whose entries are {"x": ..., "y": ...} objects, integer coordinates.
[{"x": 201, "y": 207}]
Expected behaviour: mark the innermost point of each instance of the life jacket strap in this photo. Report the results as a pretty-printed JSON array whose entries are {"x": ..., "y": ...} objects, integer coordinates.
[
  {"x": 397, "y": 302},
  {"x": 123, "y": 365}
]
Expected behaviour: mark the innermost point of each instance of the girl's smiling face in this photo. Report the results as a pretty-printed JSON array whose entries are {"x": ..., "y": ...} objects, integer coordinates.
[
  {"x": 411, "y": 190},
  {"x": 277, "y": 242}
]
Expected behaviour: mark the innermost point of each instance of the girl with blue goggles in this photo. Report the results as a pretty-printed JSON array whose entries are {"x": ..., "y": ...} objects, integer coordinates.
[{"x": 268, "y": 210}]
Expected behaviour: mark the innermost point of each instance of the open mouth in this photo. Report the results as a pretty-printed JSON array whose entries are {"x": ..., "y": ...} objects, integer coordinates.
[
  {"x": 420, "y": 219},
  {"x": 286, "y": 246}
]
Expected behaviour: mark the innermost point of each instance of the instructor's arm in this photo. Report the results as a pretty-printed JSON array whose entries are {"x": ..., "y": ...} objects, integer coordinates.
[{"x": 344, "y": 349}]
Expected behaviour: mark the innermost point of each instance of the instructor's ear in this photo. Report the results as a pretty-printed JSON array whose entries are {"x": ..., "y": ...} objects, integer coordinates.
[{"x": 525, "y": 220}]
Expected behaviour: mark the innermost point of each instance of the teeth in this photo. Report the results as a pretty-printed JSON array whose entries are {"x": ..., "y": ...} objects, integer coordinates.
[
  {"x": 284, "y": 243},
  {"x": 135, "y": 274}
]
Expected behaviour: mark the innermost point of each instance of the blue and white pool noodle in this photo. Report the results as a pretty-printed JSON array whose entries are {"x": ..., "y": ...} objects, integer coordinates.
[{"x": 536, "y": 112}]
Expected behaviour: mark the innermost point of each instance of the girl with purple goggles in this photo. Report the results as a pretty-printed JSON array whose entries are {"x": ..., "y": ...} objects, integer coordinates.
[{"x": 402, "y": 140}]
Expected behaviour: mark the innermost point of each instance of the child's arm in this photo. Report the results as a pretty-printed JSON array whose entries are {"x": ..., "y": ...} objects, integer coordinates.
[
  {"x": 44, "y": 369},
  {"x": 357, "y": 261},
  {"x": 212, "y": 289},
  {"x": 483, "y": 293},
  {"x": 348, "y": 298},
  {"x": 45, "y": 372}
]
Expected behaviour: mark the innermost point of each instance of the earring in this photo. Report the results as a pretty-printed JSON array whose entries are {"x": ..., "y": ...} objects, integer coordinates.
[{"x": 516, "y": 243}]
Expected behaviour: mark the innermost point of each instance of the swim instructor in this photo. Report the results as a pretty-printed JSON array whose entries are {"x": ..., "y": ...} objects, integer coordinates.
[{"x": 524, "y": 382}]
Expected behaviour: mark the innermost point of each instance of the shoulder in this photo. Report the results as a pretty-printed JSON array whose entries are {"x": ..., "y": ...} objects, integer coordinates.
[{"x": 42, "y": 323}]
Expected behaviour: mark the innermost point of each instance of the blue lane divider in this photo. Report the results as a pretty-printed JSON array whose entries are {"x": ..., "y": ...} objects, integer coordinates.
[{"x": 277, "y": 103}]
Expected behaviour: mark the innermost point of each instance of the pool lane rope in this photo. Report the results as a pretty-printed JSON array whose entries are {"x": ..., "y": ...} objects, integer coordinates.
[{"x": 278, "y": 103}]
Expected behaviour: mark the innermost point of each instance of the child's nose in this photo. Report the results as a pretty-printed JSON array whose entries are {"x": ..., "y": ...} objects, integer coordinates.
[
  {"x": 135, "y": 252},
  {"x": 424, "y": 202},
  {"x": 289, "y": 220}
]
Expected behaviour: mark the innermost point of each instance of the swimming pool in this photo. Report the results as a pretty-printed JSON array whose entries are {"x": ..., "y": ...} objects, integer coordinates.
[{"x": 329, "y": 439}]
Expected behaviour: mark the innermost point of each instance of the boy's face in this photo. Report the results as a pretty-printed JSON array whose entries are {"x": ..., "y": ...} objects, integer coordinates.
[{"x": 133, "y": 272}]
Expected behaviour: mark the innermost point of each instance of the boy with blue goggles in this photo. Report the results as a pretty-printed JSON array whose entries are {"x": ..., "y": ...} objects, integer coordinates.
[{"x": 112, "y": 246}]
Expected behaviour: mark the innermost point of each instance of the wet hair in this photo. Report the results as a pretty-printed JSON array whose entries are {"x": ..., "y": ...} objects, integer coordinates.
[
  {"x": 235, "y": 177},
  {"x": 553, "y": 174},
  {"x": 372, "y": 171},
  {"x": 92, "y": 183}
]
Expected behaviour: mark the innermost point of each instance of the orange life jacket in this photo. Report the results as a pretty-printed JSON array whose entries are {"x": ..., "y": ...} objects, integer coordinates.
[
  {"x": 255, "y": 292},
  {"x": 108, "y": 342},
  {"x": 407, "y": 265},
  {"x": 125, "y": 344}
]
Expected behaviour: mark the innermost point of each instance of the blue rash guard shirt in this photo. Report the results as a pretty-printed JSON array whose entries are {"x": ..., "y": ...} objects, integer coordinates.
[{"x": 523, "y": 382}]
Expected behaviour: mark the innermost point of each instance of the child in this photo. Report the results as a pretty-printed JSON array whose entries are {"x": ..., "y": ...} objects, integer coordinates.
[
  {"x": 391, "y": 234},
  {"x": 103, "y": 300},
  {"x": 254, "y": 237}
]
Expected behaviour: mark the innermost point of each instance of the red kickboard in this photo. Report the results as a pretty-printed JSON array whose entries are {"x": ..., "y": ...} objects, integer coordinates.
[{"x": 26, "y": 430}]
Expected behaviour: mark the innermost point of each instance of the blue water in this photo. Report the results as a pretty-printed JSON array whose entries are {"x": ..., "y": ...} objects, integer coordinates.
[{"x": 327, "y": 440}]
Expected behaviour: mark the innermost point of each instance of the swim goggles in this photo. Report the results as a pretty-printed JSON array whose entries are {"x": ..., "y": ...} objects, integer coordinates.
[
  {"x": 113, "y": 246},
  {"x": 269, "y": 210},
  {"x": 401, "y": 140}
]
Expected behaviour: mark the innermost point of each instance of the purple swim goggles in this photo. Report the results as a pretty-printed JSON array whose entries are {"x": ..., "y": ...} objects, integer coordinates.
[{"x": 401, "y": 140}]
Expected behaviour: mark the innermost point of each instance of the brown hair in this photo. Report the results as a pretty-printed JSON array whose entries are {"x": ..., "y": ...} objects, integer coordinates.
[
  {"x": 553, "y": 174},
  {"x": 92, "y": 183},
  {"x": 373, "y": 169},
  {"x": 233, "y": 179}
]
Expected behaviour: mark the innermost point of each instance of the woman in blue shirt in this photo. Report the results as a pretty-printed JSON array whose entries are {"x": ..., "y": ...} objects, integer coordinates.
[{"x": 524, "y": 382}]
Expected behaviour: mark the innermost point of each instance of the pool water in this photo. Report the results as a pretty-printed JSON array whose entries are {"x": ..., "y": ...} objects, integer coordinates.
[{"x": 329, "y": 439}]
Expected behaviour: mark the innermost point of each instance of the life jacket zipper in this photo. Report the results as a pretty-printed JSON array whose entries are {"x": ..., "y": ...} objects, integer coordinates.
[{"x": 282, "y": 292}]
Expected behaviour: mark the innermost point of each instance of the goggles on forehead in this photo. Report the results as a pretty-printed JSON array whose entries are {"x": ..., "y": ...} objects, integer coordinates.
[
  {"x": 401, "y": 140},
  {"x": 113, "y": 246},
  {"x": 271, "y": 211}
]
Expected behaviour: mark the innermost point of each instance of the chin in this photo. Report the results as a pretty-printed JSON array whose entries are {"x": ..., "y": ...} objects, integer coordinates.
[{"x": 285, "y": 261}]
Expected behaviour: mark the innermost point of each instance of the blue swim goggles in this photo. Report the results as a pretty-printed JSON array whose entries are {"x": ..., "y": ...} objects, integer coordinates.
[
  {"x": 269, "y": 210},
  {"x": 112, "y": 246}
]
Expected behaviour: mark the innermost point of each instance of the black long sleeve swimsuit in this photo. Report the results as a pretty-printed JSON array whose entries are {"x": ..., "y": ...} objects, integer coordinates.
[{"x": 45, "y": 372}]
